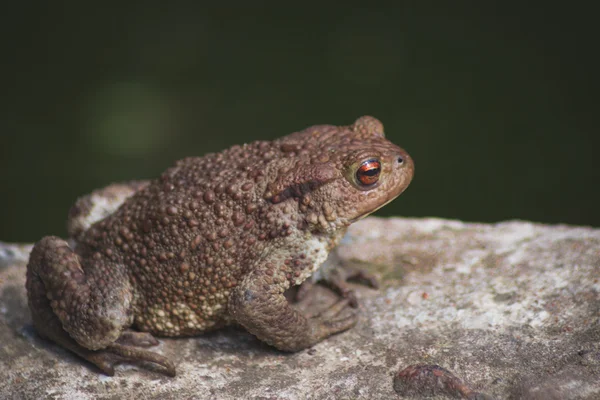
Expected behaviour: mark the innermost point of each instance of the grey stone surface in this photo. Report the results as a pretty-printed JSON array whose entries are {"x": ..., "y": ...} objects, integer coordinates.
[{"x": 512, "y": 310}]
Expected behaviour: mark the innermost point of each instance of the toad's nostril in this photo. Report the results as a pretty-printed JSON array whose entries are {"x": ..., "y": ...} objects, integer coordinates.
[{"x": 400, "y": 160}]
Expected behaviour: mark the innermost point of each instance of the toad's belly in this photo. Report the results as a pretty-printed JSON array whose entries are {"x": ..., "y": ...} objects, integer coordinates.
[{"x": 181, "y": 319}]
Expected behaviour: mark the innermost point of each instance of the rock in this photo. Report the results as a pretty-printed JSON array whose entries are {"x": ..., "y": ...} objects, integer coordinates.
[{"x": 510, "y": 310}]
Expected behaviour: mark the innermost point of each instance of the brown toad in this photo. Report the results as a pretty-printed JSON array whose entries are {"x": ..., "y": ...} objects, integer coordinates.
[{"x": 215, "y": 240}]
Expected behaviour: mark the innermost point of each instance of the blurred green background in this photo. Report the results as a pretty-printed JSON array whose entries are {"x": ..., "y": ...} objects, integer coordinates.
[{"x": 497, "y": 103}]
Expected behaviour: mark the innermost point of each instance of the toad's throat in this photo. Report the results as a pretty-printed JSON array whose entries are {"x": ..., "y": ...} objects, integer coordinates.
[{"x": 375, "y": 209}]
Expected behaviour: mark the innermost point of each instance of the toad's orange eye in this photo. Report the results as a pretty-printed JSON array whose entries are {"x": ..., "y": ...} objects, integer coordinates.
[{"x": 368, "y": 172}]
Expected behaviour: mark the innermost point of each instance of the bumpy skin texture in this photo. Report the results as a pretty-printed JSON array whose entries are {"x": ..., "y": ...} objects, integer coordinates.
[{"x": 214, "y": 240}]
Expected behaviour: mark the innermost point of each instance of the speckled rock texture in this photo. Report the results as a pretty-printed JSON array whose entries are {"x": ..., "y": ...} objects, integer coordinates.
[{"x": 505, "y": 311}]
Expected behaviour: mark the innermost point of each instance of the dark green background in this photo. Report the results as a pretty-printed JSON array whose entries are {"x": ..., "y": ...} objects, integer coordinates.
[{"x": 497, "y": 103}]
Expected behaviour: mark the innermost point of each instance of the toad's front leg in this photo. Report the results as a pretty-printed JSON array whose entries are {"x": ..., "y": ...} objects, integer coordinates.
[{"x": 259, "y": 305}]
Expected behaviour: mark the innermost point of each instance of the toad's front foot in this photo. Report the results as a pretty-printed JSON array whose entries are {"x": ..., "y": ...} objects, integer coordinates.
[
  {"x": 337, "y": 279},
  {"x": 337, "y": 318}
]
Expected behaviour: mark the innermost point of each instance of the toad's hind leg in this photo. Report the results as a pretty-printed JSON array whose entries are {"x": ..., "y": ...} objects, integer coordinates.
[{"x": 85, "y": 314}]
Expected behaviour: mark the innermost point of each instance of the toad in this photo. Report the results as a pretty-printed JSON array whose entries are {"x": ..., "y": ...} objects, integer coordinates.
[{"x": 214, "y": 241}]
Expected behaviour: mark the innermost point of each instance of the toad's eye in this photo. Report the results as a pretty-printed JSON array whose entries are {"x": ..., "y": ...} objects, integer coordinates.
[{"x": 368, "y": 172}]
